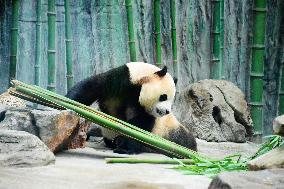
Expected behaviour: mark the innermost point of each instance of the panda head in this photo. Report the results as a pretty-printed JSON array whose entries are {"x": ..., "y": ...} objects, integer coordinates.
[{"x": 157, "y": 88}]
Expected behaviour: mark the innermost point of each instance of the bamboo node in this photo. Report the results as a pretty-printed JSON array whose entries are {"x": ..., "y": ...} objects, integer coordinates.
[
  {"x": 258, "y": 46},
  {"x": 51, "y": 13},
  {"x": 36, "y": 66},
  {"x": 256, "y": 104},
  {"x": 253, "y": 74},
  {"x": 131, "y": 41},
  {"x": 69, "y": 76},
  {"x": 51, "y": 51},
  {"x": 259, "y": 9},
  {"x": 68, "y": 40},
  {"x": 14, "y": 29}
]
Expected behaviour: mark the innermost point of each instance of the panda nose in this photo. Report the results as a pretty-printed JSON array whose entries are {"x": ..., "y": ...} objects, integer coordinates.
[{"x": 167, "y": 111}]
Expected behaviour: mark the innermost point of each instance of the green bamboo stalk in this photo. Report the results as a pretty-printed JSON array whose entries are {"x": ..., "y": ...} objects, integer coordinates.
[
  {"x": 34, "y": 92},
  {"x": 131, "y": 37},
  {"x": 14, "y": 39},
  {"x": 222, "y": 40},
  {"x": 216, "y": 51},
  {"x": 281, "y": 94},
  {"x": 38, "y": 43},
  {"x": 51, "y": 17},
  {"x": 174, "y": 36},
  {"x": 257, "y": 70},
  {"x": 150, "y": 161},
  {"x": 68, "y": 42},
  {"x": 157, "y": 22}
]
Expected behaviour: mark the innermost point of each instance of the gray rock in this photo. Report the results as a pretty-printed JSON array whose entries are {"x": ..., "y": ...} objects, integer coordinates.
[
  {"x": 57, "y": 129},
  {"x": 278, "y": 125},
  {"x": 253, "y": 180},
  {"x": 271, "y": 159},
  {"x": 11, "y": 101},
  {"x": 220, "y": 150},
  {"x": 19, "y": 148},
  {"x": 19, "y": 119},
  {"x": 215, "y": 110}
]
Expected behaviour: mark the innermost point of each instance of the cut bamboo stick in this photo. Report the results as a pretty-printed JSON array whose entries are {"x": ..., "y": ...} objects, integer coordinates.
[
  {"x": 51, "y": 17},
  {"x": 14, "y": 39},
  {"x": 257, "y": 65},
  {"x": 131, "y": 37},
  {"x": 68, "y": 45},
  {"x": 150, "y": 161}
]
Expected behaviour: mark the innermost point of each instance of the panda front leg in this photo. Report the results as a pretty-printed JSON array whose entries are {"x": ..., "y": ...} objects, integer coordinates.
[{"x": 124, "y": 145}]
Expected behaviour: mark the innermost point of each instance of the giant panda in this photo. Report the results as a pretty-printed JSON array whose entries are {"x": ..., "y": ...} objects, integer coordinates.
[{"x": 140, "y": 94}]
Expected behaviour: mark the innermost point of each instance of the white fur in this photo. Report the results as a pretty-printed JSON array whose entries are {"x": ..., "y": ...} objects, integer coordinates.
[{"x": 162, "y": 108}]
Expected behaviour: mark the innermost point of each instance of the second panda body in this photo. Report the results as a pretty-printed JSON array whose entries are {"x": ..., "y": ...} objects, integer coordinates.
[{"x": 138, "y": 93}]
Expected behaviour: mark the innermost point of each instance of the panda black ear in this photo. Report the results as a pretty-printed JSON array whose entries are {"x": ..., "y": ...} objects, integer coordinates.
[
  {"x": 162, "y": 72},
  {"x": 175, "y": 80}
]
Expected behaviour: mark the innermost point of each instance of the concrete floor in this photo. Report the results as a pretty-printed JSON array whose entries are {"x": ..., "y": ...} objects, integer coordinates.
[{"x": 86, "y": 168}]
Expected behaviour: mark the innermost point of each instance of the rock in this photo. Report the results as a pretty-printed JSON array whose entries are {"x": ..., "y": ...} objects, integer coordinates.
[
  {"x": 19, "y": 119},
  {"x": 215, "y": 110},
  {"x": 252, "y": 179},
  {"x": 19, "y": 148},
  {"x": 272, "y": 159},
  {"x": 12, "y": 101},
  {"x": 220, "y": 150},
  {"x": 59, "y": 130},
  {"x": 278, "y": 125}
]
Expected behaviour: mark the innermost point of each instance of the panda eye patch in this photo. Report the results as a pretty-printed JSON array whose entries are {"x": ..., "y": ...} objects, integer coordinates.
[{"x": 163, "y": 97}]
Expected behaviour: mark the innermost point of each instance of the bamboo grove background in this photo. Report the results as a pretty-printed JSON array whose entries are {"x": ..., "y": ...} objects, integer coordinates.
[{"x": 55, "y": 43}]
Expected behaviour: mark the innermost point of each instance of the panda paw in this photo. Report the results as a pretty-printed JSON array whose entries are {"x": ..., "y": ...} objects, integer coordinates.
[{"x": 127, "y": 146}]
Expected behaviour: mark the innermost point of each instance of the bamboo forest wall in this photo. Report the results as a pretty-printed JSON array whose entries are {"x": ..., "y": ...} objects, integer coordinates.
[{"x": 99, "y": 33}]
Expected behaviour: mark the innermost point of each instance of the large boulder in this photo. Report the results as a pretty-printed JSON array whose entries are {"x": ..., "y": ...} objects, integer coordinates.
[
  {"x": 266, "y": 179},
  {"x": 19, "y": 148},
  {"x": 59, "y": 130},
  {"x": 215, "y": 110}
]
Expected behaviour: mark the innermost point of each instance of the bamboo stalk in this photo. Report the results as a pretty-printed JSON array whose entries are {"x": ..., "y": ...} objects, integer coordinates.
[
  {"x": 38, "y": 43},
  {"x": 68, "y": 42},
  {"x": 150, "y": 161},
  {"x": 174, "y": 36},
  {"x": 131, "y": 37},
  {"x": 257, "y": 65},
  {"x": 157, "y": 22},
  {"x": 281, "y": 94},
  {"x": 34, "y": 92},
  {"x": 222, "y": 40},
  {"x": 14, "y": 39},
  {"x": 216, "y": 48},
  {"x": 51, "y": 17}
]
